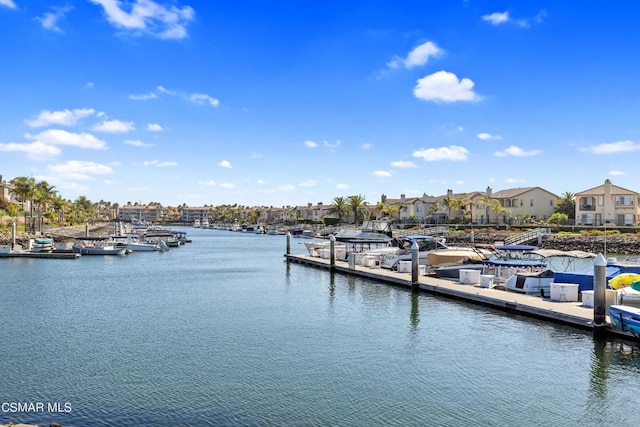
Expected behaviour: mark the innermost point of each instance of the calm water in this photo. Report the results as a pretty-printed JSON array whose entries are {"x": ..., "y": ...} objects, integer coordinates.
[{"x": 222, "y": 332}]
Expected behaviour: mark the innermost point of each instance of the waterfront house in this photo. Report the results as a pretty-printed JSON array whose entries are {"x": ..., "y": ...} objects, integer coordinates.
[
  {"x": 607, "y": 204},
  {"x": 522, "y": 201},
  {"x": 191, "y": 214}
]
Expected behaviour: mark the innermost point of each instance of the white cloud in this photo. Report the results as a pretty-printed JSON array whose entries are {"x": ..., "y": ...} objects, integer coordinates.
[
  {"x": 201, "y": 99},
  {"x": 486, "y": 136},
  {"x": 382, "y": 174},
  {"x": 613, "y": 147},
  {"x": 311, "y": 144},
  {"x": 148, "y": 17},
  {"x": 403, "y": 164},
  {"x": 453, "y": 153},
  {"x": 114, "y": 126},
  {"x": 444, "y": 86},
  {"x": 308, "y": 183},
  {"x": 287, "y": 187},
  {"x": 261, "y": 181},
  {"x": 62, "y": 137},
  {"x": 342, "y": 186},
  {"x": 143, "y": 96},
  {"x": 158, "y": 163},
  {"x": 50, "y": 20},
  {"x": 225, "y": 164},
  {"x": 36, "y": 150},
  {"x": 617, "y": 173},
  {"x": 367, "y": 146},
  {"x": 517, "y": 152},
  {"x": 137, "y": 143},
  {"x": 515, "y": 181},
  {"x": 165, "y": 90},
  {"x": 496, "y": 18},
  {"x": 79, "y": 170},
  {"x": 227, "y": 185},
  {"x": 154, "y": 127},
  {"x": 327, "y": 144},
  {"x": 8, "y": 3},
  {"x": 64, "y": 117},
  {"x": 418, "y": 56},
  {"x": 210, "y": 183}
]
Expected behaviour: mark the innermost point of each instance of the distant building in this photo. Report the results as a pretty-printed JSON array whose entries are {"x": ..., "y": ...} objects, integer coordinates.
[
  {"x": 6, "y": 190},
  {"x": 607, "y": 204},
  {"x": 144, "y": 213},
  {"x": 190, "y": 215}
]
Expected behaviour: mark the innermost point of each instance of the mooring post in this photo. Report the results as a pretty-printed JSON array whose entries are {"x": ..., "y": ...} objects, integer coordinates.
[
  {"x": 288, "y": 243},
  {"x": 13, "y": 235},
  {"x": 472, "y": 236},
  {"x": 332, "y": 251},
  {"x": 599, "y": 291},
  {"x": 86, "y": 229},
  {"x": 415, "y": 266}
]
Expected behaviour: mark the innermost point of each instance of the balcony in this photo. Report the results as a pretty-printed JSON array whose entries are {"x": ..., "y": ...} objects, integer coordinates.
[{"x": 587, "y": 208}]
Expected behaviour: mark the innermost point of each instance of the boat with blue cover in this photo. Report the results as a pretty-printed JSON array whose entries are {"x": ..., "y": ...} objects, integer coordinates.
[{"x": 625, "y": 318}]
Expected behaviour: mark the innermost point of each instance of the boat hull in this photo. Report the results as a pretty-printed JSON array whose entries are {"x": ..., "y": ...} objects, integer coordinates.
[{"x": 625, "y": 318}]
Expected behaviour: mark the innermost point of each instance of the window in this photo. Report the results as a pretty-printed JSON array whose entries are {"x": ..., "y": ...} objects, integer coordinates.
[
  {"x": 587, "y": 219},
  {"x": 624, "y": 201},
  {"x": 521, "y": 202},
  {"x": 600, "y": 200},
  {"x": 531, "y": 203}
]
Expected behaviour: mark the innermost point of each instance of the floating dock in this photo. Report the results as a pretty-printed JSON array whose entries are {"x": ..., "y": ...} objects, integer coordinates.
[
  {"x": 48, "y": 255},
  {"x": 568, "y": 313}
]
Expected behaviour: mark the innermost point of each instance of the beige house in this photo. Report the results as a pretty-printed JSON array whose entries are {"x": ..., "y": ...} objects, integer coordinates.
[
  {"x": 534, "y": 201},
  {"x": 607, "y": 204}
]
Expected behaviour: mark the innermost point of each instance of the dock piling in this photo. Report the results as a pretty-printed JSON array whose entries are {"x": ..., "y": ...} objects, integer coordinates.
[
  {"x": 332, "y": 251},
  {"x": 599, "y": 287},
  {"x": 415, "y": 254},
  {"x": 288, "y": 243}
]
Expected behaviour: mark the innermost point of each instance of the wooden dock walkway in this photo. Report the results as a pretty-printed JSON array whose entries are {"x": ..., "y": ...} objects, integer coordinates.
[{"x": 568, "y": 313}]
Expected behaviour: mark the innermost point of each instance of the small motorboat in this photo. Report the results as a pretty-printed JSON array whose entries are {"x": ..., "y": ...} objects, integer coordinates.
[{"x": 625, "y": 318}]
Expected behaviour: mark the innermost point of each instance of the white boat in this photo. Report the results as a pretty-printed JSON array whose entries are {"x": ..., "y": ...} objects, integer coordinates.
[
  {"x": 538, "y": 272},
  {"x": 98, "y": 246},
  {"x": 136, "y": 244},
  {"x": 391, "y": 257},
  {"x": 372, "y": 236},
  {"x": 42, "y": 244}
]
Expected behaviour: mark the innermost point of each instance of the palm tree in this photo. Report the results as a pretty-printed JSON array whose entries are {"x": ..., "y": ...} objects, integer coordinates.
[
  {"x": 339, "y": 208},
  {"x": 567, "y": 205},
  {"x": 24, "y": 187},
  {"x": 358, "y": 207},
  {"x": 380, "y": 208},
  {"x": 450, "y": 203}
]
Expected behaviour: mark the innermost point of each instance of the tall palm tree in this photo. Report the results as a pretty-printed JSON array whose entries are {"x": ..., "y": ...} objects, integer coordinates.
[
  {"x": 358, "y": 207},
  {"x": 380, "y": 208},
  {"x": 339, "y": 208}
]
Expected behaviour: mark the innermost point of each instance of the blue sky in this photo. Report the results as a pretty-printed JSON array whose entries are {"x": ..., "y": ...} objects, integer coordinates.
[{"x": 280, "y": 103}]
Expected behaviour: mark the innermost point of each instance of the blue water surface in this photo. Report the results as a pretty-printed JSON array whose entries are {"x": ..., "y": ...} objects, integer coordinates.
[{"x": 223, "y": 332}]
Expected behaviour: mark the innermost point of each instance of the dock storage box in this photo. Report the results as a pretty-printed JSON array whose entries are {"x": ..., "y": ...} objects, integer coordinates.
[
  {"x": 5, "y": 249},
  {"x": 587, "y": 298},
  {"x": 469, "y": 277},
  {"x": 564, "y": 292},
  {"x": 404, "y": 266},
  {"x": 486, "y": 280}
]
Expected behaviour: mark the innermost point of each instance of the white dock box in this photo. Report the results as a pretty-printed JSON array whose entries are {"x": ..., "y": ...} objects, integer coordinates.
[
  {"x": 5, "y": 249},
  {"x": 587, "y": 298},
  {"x": 469, "y": 277},
  {"x": 564, "y": 292},
  {"x": 404, "y": 266},
  {"x": 486, "y": 280}
]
